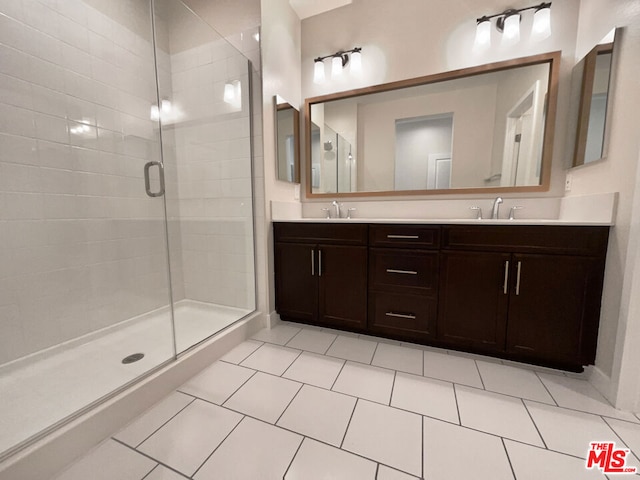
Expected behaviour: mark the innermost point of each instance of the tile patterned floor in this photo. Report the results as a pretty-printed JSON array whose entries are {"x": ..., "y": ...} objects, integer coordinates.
[{"x": 303, "y": 403}]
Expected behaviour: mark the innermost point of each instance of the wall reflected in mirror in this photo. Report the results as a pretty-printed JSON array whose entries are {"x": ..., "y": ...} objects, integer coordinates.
[
  {"x": 287, "y": 141},
  {"x": 477, "y": 131},
  {"x": 594, "y": 71}
]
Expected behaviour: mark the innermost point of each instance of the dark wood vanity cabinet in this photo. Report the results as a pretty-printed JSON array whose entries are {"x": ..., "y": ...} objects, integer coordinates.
[
  {"x": 530, "y": 293},
  {"x": 321, "y": 274},
  {"x": 525, "y": 292}
]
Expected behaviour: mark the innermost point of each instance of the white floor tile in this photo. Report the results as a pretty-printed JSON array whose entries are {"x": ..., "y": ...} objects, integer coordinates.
[
  {"x": 426, "y": 396},
  {"x": 365, "y": 381},
  {"x": 581, "y": 395},
  {"x": 186, "y": 441},
  {"x": 279, "y": 334},
  {"x": 242, "y": 351},
  {"x": 386, "y": 435},
  {"x": 217, "y": 382},
  {"x": 514, "y": 381},
  {"x": 372, "y": 338},
  {"x": 163, "y": 473},
  {"x": 312, "y": 341},
  {"x": 254, "y": 450},
  {"x": 341, "y": 332},
  {"x": 457, "y": 453},
  {"x": 451, "y": 368},
  {"x": 387, "y": 473},
  {"x": 314, "y": 369},
  {"x": 319, "y": 414},
  {"x": 569, "y": 431},
  {"x": 108, "y": 461},
  {"x": 630, "y": 435},
  {"x": 317, "y": 461},
  {"x": 531, "y": 463},
  {"x": 354, "y": 349},
  {"x": 139, "y": 430},
  {"x": 498, "y": 414},
  {"x": 264, "y": 397},
  {"x": 398, "y": 358},
  {"x": 271, "y": 359}
]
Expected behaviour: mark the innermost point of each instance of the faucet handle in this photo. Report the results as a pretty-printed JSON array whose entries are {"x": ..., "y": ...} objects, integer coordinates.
[
  {"x": 349, "y": 210},
  {"x": 328, "y": 212},
  {"x": 512, "y": 212},
  {"x": 478, "y": 212}
]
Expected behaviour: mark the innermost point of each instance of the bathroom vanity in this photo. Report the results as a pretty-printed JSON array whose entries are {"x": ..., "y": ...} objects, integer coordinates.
[{"x": 526, "y": 292}]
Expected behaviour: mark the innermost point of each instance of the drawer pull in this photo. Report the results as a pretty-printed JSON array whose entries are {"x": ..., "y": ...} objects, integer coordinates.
[
  {"x": 413, "y": 237},
  {"x": 406, "y": 272},
  {"x": 518, "y": 279},
  {"x": 506, "y": 277},
  {"x": 400, "y": 315}
]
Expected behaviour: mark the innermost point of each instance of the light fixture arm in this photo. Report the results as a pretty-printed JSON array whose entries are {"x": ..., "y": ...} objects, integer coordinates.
[
  {"x": 512, "y": 11},
  {"x": 341, "y": 53}
]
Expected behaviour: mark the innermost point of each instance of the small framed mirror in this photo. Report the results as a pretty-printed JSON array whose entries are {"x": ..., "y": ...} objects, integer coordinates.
[
  {"x": 287, "y": 141},
  {"x": 595, "y": 71}
]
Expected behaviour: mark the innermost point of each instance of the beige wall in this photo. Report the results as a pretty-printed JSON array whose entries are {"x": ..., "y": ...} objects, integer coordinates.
[{"x": 617, "y": 358}]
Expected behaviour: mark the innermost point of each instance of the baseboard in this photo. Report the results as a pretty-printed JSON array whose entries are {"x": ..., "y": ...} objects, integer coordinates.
[
  {"x": 603, "y": 383},
  {"x": 273, "y": 319},
  {"x": 48, "y": 456}
]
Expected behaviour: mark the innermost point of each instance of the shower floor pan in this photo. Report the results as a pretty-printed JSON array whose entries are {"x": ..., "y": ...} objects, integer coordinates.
[{"x": 41, "y": 391}]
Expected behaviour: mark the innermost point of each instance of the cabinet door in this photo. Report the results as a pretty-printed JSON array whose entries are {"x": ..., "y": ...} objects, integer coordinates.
[
  {"x": 296, "y": 281},
  {"x": 473, "y": 301},
  {"x": 554, "y": 308},
  {"x": 343, "y": 286}
]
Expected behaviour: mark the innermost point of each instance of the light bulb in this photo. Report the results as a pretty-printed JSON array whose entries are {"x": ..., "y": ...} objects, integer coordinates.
[
  {"x": 336, "y": 67},
  {"x": 541, "y": 24},
  {"x": 318, "y": 71},
  {"x": 483, "y": 33},
  {"x": 511, "y": 32},
  {"x": 356, "y": 63}
]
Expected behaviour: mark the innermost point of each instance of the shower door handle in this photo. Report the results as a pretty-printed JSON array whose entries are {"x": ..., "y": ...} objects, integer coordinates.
[{"x": 147, "y": 181}]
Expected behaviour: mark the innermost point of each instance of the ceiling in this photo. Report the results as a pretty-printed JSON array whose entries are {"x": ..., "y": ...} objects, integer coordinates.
[{"x": 309, "y": 8}]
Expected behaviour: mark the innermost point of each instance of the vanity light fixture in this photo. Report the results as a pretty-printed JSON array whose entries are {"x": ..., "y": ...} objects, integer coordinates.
[
  {"x": 339, "y": 60},
  {"x": 508, "y": 23}
]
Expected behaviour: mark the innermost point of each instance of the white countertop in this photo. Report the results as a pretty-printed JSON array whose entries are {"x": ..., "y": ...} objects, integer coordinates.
[{"x": 447, "y": 221}]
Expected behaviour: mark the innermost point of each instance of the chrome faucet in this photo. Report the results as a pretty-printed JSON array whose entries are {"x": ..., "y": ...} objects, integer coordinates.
[
  {"x": 495, "y": 211},
  {"x": 336, "y": 207}
]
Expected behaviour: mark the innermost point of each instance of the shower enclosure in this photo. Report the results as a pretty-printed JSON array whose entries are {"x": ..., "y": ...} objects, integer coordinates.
[{"x": 126, "y": 206}]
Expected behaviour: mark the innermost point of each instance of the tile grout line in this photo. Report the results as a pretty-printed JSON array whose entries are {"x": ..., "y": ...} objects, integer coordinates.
[
  {"x": 422, "y": 448},
  {"x": 534, "y": 423},
  {"x": 219, "y": 445},
  {"x": 455, "y": 397},
  {"x": 348, "y": 424},
  {"x": 156, "y": 430},
  {"x": 331, "y": 345},
  {"x": 506, "y": 452},
  {"x": 291, "y": 364},
  {"x": 151, "y": 458},
  {"x": 624, "y": 442},
  {"x": 377, "y": 471},
  {"x": 150, "y": 471},
  {"x": 479, "y": 374},
  {"x": 337, "y": 376},
  {"x": 247, "y": 356},
  {"x": 289, "y": 404},
  {"x": 547, "y": 389},
  {"x": 393, "y": 384},
  {"x": 374, "y": 353},
  {"x": 284, "y": 475},
  {"x": 234, "y": 392}
]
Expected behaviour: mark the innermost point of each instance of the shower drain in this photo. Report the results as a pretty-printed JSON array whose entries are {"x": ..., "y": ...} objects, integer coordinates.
[{"x": 134, "y": 357}]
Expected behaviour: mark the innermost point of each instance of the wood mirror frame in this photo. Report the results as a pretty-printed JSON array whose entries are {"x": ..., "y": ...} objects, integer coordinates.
[{"x": 552, "y": 58}]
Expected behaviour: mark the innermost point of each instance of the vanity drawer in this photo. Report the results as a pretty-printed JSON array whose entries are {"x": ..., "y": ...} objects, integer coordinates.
[
  {"x": 404, "y": 236},
  {"x": 567, "y": 240},
  {"x": 408, "y": 271},
  {"x": 327, "y": 233},
  {"x": 402, "y": 315}
]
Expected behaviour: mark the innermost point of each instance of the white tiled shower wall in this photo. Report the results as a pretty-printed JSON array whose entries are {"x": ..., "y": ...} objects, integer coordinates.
[{"x": 81, "y": 245}]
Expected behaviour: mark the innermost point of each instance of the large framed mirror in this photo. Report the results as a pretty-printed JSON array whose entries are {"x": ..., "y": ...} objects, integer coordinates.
[
  {"x": 287, "y": 133},
  {"x": 482, "y": 129},
  {"x": 594, "y": 72}
]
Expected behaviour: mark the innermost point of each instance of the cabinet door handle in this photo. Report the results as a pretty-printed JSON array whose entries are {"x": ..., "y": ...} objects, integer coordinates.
[
  {"x": 518, "y": 279},
  {"x": 406, "y": 272},
  {"x": 506, "y": 277},
  {"x": 401, "y": 315},
  {"x": 415, "y": 237},
  {"x": 319, "y": 262},
  {"x": 313, "y": 262}
]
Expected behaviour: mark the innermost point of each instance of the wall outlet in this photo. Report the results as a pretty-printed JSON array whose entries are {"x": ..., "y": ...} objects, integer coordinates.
[
  {"x": 567, "y": 183},
  {"x": 296, "y": 192}
]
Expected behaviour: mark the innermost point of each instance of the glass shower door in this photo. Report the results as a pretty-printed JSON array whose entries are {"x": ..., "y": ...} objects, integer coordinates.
[
  {"x": 85, "y": 305},
  {"x": 205, "y": 113}
]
